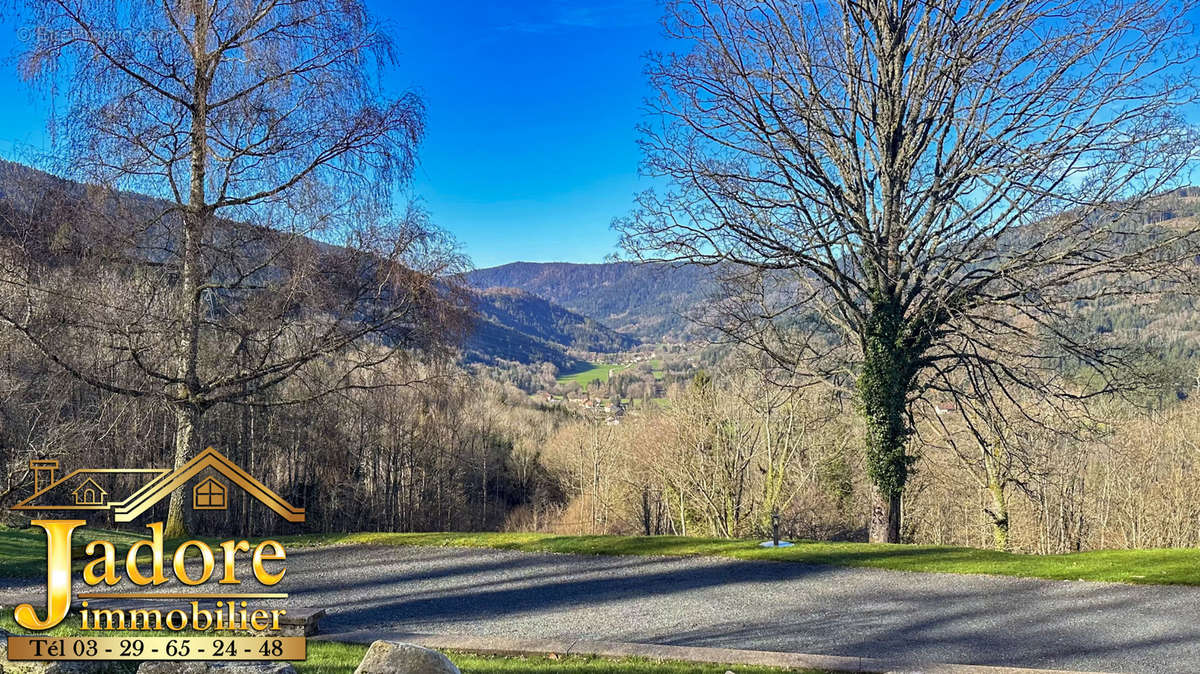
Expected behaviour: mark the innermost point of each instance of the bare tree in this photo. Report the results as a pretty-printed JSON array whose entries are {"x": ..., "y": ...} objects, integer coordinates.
[
  {"x": 914, "y": 189},
  {"x": 271, "y": 251},
  {"x": 998, "y": 451}
]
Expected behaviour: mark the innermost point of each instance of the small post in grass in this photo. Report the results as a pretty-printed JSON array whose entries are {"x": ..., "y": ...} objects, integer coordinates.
[{"x": 775, "y": 542}]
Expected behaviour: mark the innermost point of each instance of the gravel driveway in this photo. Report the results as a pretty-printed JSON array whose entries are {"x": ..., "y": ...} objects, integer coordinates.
[{"x": 751, "y": 605}]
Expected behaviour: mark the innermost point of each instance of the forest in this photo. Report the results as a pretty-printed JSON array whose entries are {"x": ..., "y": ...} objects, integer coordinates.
[
  {"x": 508, "y": 444},
  {"x": 461, "y": 452}
]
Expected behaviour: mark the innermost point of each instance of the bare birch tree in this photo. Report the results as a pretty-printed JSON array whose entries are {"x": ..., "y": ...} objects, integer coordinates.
[
  {"x": 909, "y": 189},
  {"x": 271, "y": 251}
]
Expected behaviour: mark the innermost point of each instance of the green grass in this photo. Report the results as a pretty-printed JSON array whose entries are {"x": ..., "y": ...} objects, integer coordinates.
[
  {"x": 656, "y": 366},
  {"x": 334, "y": 658},
  {"x": 1157, "y": 567},
  {"x": 23, "y": 552},
  {"x": 589, "y": 372},
  {"x": 594, "y": 371},
  {"x": 328, "y": 657},
  {"x": 478, "y": 664}
]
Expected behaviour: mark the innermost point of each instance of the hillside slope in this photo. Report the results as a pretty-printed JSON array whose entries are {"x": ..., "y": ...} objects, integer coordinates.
[
  {"x": 648, "y": 301},
  {"x": 517, "y": 326},
  {"x": 510, "y": 325},
  {"x": 548, "y": 321}
]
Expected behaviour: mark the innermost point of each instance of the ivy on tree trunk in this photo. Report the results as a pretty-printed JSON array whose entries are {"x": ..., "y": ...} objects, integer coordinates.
[{"x": 883, "y": 393}]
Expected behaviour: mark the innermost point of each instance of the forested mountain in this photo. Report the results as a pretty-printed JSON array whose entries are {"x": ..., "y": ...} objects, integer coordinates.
[
  {"x": 1167, "y": 325},
  {"x": 515, "y": 325},
  {"x": 535, "y": 312},
  {"x": 648, "y": 301},
  {"x": 652, "y": 301},
  {"x": 510, "y": 324}
]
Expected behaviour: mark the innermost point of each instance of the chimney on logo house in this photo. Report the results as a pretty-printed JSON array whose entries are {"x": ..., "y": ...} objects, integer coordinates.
[{"x": 43, "y": 473}]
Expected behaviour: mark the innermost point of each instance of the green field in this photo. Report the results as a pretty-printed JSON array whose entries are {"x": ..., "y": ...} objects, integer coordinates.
[{"x": 592, "y": 371}]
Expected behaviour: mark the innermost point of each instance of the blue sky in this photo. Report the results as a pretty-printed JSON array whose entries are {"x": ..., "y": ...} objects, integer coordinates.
[{"x": 532, "y": 106}]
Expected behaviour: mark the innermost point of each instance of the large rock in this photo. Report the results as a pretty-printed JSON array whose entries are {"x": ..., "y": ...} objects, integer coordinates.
[
  {"x": 54, "y": 667},
  {"x": 206, "y": 667},
  {"x": 395, "y": 657}
]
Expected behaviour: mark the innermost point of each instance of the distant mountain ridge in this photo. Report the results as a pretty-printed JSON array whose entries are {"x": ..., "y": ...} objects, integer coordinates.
[
  {"x": 518, "y": 326},
  {"x": 653, "y": 301},
  {"x": 557, "y": 312},
  {"x": 649, "y": 301},
  {"x": 510, "y": 325}
]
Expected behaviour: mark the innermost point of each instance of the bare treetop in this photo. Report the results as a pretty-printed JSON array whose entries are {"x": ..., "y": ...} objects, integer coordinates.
[
  {"x": 929, "y": 178},
  {"x": 277, "y": 247},
  {"x": 290, "y": 92}
]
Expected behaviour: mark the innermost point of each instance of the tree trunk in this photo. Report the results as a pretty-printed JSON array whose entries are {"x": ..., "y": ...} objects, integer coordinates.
[
  {"x": 883, "y": 397},
  {"x": 647, "y": 518},
  {"x": 195, "y": 217},
  {"x": 999, "y": 514},
  {"x": 682, "y": 515},
  {"x": 885, "y": 517},
  {"x": 187, "y": 440}
]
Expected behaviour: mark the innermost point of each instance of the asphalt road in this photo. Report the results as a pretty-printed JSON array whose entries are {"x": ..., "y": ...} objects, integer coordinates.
[{"x": 751, "y": 605}]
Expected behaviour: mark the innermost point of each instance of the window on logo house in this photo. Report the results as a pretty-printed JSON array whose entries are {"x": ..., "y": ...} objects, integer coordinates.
[
  {"x": 209, "y": 495},
  {"x": 89, "y": 493}
]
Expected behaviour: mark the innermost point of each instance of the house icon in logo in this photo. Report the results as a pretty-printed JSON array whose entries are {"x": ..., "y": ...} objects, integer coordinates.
[
  {"x": 90, "y": 493},
  {"x": 130, "y": 492}
]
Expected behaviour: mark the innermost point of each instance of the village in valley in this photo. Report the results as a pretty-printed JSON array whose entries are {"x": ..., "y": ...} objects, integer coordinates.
[{"x": 616, "y": 385}]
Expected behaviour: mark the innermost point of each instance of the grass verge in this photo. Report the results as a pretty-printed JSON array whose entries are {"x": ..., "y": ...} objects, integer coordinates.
[
  {"x": 23, "y": 551},
  {"x": 482, "y": 664},
  {"x": 1151, "y": 567}
]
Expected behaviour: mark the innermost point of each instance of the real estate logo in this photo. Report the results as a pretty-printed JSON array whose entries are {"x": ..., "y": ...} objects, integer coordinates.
[
  {"x": 210, "y": 479},
  {"x": 80, "y": 490}
]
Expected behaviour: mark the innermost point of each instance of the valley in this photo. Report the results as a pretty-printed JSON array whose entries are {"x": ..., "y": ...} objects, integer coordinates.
[{"x": 869, "y": 304}]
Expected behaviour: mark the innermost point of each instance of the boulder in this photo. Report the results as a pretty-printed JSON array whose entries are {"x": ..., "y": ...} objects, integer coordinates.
[
  {"x": 168, "y": 667},
  {"x": 395, "y": 657}
]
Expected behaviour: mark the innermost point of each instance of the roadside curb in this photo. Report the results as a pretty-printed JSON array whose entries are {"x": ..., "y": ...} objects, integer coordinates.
[{"x": 725, "y": 656}]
